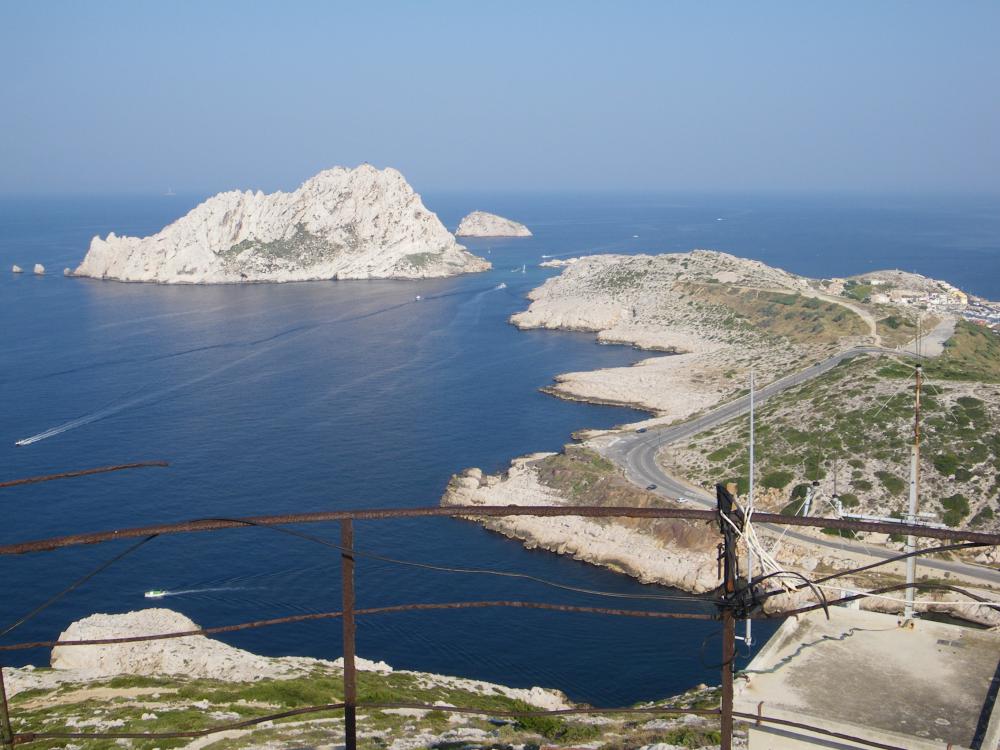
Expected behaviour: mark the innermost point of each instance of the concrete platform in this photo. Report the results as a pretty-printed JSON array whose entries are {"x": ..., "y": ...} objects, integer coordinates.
[{"x": 923, "y": 685}]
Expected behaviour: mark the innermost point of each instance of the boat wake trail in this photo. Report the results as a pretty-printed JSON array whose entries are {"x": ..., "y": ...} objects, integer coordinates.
[
  {"x": 158, "y": 395},
  {"x": 259, "y": 346},
  {"x": 156, "y": 594}
]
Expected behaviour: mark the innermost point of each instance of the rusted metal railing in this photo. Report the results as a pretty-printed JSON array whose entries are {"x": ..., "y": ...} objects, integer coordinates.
[{"x": 727, "y": 601}]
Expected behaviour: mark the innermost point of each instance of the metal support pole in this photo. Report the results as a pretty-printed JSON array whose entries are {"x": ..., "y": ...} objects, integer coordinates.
[
  {"x": 728, "y": 656},
  {"x": 6, "y": 732},
  {"x": 911, "y": 516},
  {"x": 730, "y": 576},
  {"x": 350, "y": 676}
]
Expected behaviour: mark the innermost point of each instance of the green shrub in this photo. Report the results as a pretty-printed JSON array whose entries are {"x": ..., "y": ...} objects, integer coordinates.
[
  {"x": 794, "y": 507},
  {"x": 862, "y": 485},
  {"x": 891, "y": 482},
  {"x": 956, "y": 508},
  {"x": 849, "y": 501},
  {"x": 946, "y": 463},
  {"x": 986, "y": 514},
  {"x": 777, "y": 479},
  {"x": 721, "y": 454}
]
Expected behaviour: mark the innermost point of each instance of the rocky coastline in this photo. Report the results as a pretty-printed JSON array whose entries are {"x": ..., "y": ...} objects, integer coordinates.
[{"x": 719, "y": 316}]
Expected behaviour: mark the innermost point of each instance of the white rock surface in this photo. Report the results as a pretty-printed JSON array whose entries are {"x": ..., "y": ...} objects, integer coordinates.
[
  {"x": 341, "y": 224},
  {"x": 201, "y": 657},
  {"x": 691, "y": 566},
  {"x": 16, "y": 269},
  {"x": 196, "y": 656},
  {"x": 482, "y": 224},
  {"x": 39, "y": 269}
]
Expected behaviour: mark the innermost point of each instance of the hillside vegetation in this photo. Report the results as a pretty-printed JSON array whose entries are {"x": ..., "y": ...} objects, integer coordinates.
[
  {"x": 132, "y": 703},
  {"x": 851, "y": 430},
  {"x": 787, "y": 315}
]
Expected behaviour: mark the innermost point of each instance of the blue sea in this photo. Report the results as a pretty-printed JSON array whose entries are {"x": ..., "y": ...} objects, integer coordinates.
[{"x": 291, "y": 398}]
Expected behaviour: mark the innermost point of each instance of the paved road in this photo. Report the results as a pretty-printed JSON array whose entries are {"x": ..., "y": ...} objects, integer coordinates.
[{"x": 636, "y": 453}]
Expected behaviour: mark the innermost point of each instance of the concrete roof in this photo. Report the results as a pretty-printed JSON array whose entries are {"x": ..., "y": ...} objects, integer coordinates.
[{"x": 861, "y": 674}]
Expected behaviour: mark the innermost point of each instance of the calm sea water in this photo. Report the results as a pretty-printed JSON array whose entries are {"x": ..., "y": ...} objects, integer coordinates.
[{"x": 306, "y": 397}]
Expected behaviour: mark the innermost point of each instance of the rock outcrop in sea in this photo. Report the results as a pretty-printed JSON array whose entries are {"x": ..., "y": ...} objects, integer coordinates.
[
  {"x": 482, "y": 224},
  {"x": 343, "y": 223}
]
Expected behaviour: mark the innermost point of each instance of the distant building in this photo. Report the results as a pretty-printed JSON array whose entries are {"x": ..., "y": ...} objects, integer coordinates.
[{"x": 923, "y": 686}]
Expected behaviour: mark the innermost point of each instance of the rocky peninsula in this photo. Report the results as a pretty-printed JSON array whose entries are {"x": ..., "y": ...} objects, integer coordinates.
[
  {"x": 716, "y": 316},
  {"x": 359, "y": 223},
  {"x": 194, "y": 682},
  {"x": 482, "y": 224}
]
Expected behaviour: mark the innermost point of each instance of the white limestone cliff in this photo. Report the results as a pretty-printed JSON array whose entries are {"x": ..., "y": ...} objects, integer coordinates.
[
  {"x": 482, "y": 224},
  {"x": 341, "y": 224}
]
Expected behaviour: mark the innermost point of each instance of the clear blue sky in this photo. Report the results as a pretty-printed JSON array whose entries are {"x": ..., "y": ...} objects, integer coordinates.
[{"x": 137, "y": 96}]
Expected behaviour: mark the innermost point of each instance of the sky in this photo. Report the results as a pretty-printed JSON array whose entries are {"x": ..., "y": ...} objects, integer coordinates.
[{"x": 104, "y": 97}]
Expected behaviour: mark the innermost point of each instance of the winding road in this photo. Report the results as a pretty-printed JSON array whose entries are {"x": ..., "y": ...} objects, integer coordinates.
[{"x": 636, "y": 453}]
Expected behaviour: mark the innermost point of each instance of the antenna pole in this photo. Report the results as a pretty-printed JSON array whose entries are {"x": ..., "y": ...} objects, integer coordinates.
[{"x": 911, "y": 562}]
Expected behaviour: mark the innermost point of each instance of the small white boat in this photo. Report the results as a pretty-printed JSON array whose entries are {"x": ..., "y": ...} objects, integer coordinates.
[
  {"x": 155, "y": 594},
  {"x": 418, "y": 298},
  {"x": 501, "y": 285}
]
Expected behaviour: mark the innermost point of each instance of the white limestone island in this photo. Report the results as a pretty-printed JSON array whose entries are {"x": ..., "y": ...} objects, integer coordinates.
[
  {"x": 482, "y": 224},
  {"x": 360, "y": 223}
]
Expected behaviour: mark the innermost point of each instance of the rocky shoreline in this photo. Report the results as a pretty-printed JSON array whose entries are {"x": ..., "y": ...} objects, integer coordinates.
[
  {"x": 678, "y": 554},
  {"x": 194, "y": 683}
]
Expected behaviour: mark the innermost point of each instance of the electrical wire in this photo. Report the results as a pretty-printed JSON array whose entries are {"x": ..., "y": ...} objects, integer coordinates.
[
  {"x": 76, "y": 584},
  {"x": 473, "y": 571}
]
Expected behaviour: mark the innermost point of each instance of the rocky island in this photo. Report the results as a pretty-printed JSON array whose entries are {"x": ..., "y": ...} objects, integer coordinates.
[
  {"x": 482, "y": 224},
  {"x": 360, "y": 223}
]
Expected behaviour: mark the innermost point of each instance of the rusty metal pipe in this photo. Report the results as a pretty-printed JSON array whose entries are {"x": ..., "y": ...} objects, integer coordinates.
[
  {"x": 82, "y": 473},
  {"x": 391, "y": 609},
  {"x": 478, "y": 511}
]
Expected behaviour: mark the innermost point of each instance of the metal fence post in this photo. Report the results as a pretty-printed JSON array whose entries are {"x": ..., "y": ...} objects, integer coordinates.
[
  {"x": 350, "y": 676},
  {"x": 6, "y": 733},
  {"x": 730, "y": 567}
]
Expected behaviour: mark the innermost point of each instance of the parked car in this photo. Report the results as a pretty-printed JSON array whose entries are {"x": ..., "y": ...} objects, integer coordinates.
[
  {"x": 650, "y": 486},
  {"x": 641, "y": 429}
]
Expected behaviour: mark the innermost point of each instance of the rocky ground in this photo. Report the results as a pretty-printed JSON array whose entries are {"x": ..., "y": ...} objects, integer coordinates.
[
  {"x": 716, "y": 313},
  {"x": 192, "y": 683}
]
